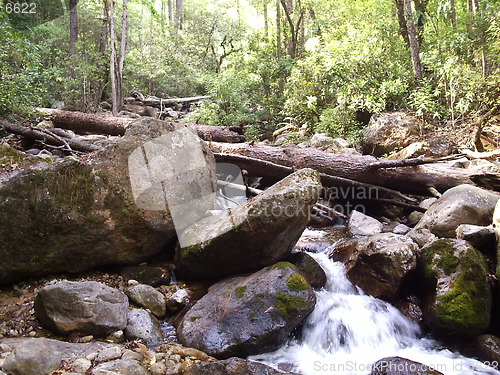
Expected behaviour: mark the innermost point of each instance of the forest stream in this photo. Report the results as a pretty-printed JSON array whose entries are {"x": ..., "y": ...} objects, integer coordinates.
[{"x": 348, "y": 331}]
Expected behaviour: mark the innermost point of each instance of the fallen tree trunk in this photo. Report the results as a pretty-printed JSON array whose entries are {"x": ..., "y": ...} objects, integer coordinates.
[
  {"x": 159, "y": 102},
  {"x": 45, "y": 136},
  {"x": 338, "y": 169},
  {"x": 111, "y": 125}
]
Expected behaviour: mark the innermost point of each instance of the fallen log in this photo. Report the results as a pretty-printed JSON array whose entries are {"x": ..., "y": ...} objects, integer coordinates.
[
  {"x": 159, "y": 102},
  {"x": 50, "y": 138},
  {"x": 111, "y": 125},
  {"x": 345, "y": 170}
]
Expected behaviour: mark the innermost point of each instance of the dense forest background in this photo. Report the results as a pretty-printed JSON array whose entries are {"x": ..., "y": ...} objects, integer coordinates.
[{"x": 316, "y": 65}]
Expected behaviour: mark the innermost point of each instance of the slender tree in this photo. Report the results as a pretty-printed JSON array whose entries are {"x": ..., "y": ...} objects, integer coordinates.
[
  {"x": 121, "y": 56},
  {"x": 413, "y": 41},
  {"x": 110, "y": 11},
  {"x": 73, "y": 35},
  {"x": 179, "y": 8}
]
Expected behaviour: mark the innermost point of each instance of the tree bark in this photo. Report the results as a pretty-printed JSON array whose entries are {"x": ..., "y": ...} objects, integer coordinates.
[
  {"x": 179, "y": 5},
  {"x": 278, "y": 30},
  {"x": 73, "y": 35},
  {"x": 121, "y": 56},
  {"x": 93, "y": 123},
  {"x": 278, "y": 162},
  {"x": 403, "y": 31},
  {"x": 110, "y": 13},
  {"x": 412, "y": 37}
]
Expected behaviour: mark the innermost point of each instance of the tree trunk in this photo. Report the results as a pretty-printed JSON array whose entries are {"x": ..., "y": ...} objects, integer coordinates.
[
  {"x": 48, "y": 137},
  {"x": 179, "y": 5},
  {"x": 121, "y": 56},
  {"x": 110, "y": 12},
  {"x": 73, "y": 35},
  {"x": 278, "y": 162},
  {"x": 266, "y": 24},
  {"x": 412, "y": 37},
  {"x": 278, "y": 30},
  {"x": 170, "y": 13},
  {"x": 453, "y": 14},
  {"x": 93, "y": 123},
  {"x": 403, "y": 31}
]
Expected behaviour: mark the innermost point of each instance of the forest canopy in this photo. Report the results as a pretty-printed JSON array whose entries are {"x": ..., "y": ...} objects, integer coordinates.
[{"x": 317, "y": 65}]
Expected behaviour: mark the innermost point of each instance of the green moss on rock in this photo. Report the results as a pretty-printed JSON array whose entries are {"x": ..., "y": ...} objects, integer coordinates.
[
  {"x": 297, "y": 283},
  {"x": 240, "y": 291},
  {"x": 462, "y": 300},
  {"x": 288, "y": 305}
]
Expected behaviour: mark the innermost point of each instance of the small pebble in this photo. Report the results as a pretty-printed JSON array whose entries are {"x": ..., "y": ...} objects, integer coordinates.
[
  {"x": 81, "y": 365},
  {"x": 5, "y": 348},
  {"x": 109, "y": 354},
  {"x": 130, "y": 354},
  {"x": 158, "y": 368},
  {"x": 132, "y": 282}
]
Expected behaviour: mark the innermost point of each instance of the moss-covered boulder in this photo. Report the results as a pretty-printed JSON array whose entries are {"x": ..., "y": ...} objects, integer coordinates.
[
  {"x": 458, "y": 298},
  {"x": 248, "y": 315},
  {"x": 74, "y": 215},
  {"x": 383, "y": 264},
  {"x": 463, "y": 204},
  {"x": 252, "y": 235}
]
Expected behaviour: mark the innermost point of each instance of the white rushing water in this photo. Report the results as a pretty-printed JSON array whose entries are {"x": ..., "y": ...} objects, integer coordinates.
[{"x": 348, "y": 331}]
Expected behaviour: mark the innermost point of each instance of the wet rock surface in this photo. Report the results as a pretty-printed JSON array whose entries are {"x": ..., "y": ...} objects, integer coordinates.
[
  {"x": 459, "y": 296},
  {"x": 248, "y": 315}
]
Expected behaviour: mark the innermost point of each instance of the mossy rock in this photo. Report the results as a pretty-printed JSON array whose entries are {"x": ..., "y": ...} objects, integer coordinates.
[
  {"x": 248, "y": 315},
  {"x": 458, "y": 298},
  {"x": 70, "y": 216}
]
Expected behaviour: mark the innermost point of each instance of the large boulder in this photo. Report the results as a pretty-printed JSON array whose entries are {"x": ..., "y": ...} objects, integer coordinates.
[
  {"x": 389, "y": 131},
  {"x": 248, "y": 315},
  {"x": 383, "y": 263},
  {"x": 120, "y": 367},
  {"x": 231, "y": 366},
  {"x": 458, "y": 297},
  {"x": 86, "y": 307},
  {"x": 252, "y": 235},
  {"x": 463, "y": 204},
  {"x": 73, "y": 215},
  {"x": 40, "y": 356},
  {"x": 360, "y": 224}
]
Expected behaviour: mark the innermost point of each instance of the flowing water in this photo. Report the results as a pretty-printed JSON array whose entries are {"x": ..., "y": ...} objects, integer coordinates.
[{"x": 348, "y": 331}]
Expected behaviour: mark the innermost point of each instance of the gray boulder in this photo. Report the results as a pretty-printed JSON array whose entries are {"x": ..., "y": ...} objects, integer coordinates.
[
  {"x": 120, "y": 367},
  {"x": 389, "y": 131},
  {"x": 482, "y": 238},
  {"x": 463, "y": 204},
  {"x": 252, "y": 235},
  {"x": 40, "y": 356},
  {"x": 232, "y": 366},
  {"x": 248, "y": 315},
  {"x": 458, "y": 297},
  {"x": 86, "y": 307},
  {"x": 144, "y": 326},
  {"x": 80, "y": 215},
  {"x": 148, "y": 297},
  {"x": 363, "y": 225},
  {"x": 383, "y": 263}
]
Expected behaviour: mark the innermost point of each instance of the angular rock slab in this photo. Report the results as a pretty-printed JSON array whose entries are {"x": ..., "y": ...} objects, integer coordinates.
[
  {"x": 383, "y": 263},
  {"x": 40, "y": 356},
  {"x": 73, "y": 216},
  {"x": 253, "y": 235},
  {"x": 463, "y": 204},
  {"x": 87, "y": 307},
  {"x": 248, "y": 315},
  {"x": 120, "y": 367},
  {"x": 456, "y": 277},
  {"x": 231, "y": 366}
]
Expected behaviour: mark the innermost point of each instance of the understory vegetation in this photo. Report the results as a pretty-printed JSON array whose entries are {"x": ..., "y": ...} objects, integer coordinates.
[{"x": 316, "y": 65}]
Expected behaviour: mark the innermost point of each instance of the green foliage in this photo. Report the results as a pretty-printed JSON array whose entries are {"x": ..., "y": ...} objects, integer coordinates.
[{"x": 340, "y": 122}]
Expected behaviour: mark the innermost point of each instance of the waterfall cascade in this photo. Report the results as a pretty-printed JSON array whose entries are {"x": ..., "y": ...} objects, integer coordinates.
[{"x": 349, "y": 331}]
